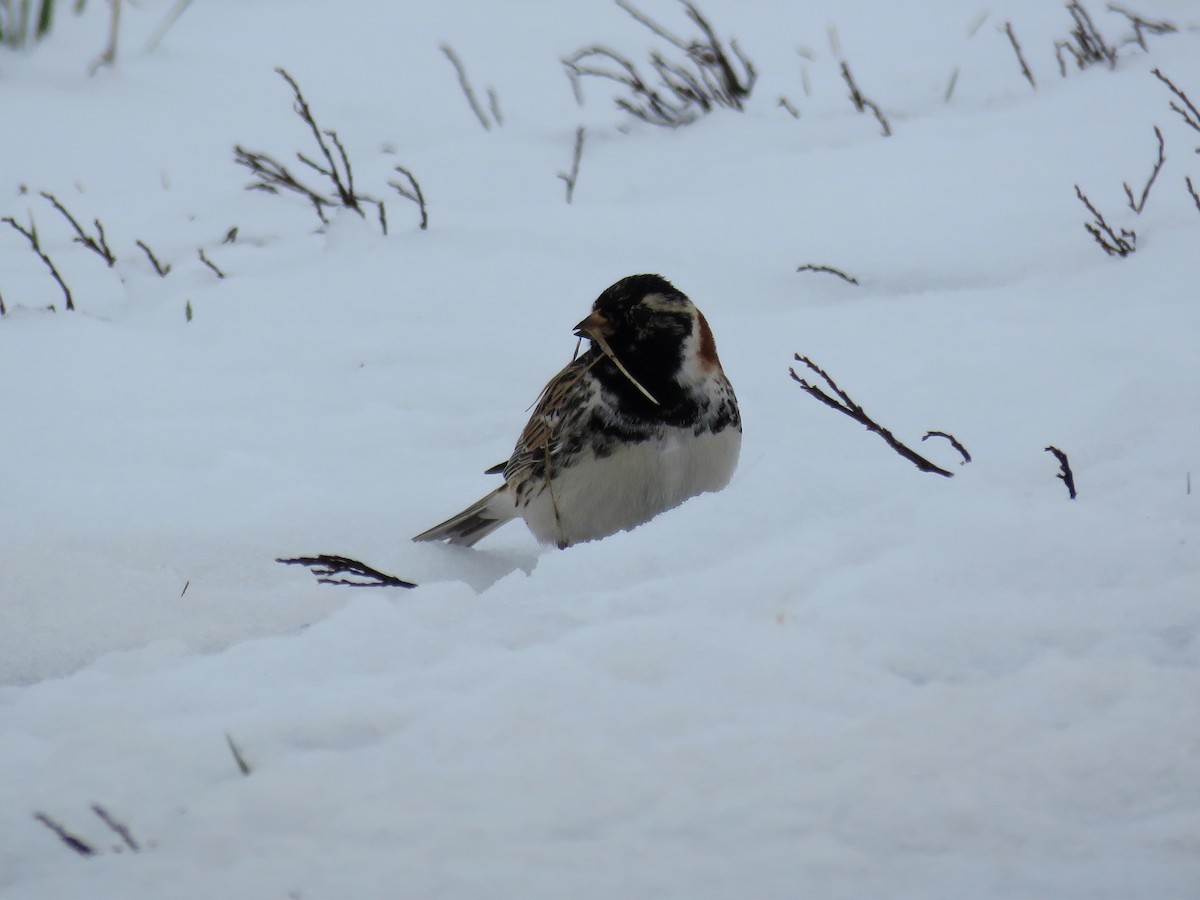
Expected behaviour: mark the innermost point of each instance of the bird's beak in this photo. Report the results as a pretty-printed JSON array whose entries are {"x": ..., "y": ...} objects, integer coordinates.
[{"x": 595, "y": 324}]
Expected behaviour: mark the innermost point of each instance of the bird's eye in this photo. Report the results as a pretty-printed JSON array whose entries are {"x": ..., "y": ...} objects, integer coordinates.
[{"x": 639, "y": 315}]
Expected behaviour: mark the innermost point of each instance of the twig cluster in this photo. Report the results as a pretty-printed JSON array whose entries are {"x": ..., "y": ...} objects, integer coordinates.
[
  {"x": 1114, "y": 243},
  {"x": 97, "y": 244},
  {"x": 272, "y": 176},
  {"x": 327, "y": 567},
  {"x": 707, "y": 77},
  {"x": 1086, "y": 44},
  {"x": 78, "y": 844},
  {"x": 469, "y": 92},
  {"x": 845, "y": 404},
  {"x": 862, "y": 103}
]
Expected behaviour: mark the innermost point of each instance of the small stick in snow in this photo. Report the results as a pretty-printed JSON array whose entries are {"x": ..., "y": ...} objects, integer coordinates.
[
  {"x": 77, "y": 844},
  {"x": 1065, "y": 474},
  {"x": 1192, "y": 190},
  {"x": 243, "y": 766},
  {"x": 1141, "y": 26},
  {"x": 846, "y": 405},
  {"x": 1187, "y": 111},
  {"x": 121, "y": 830},
  {"x": 954, "y": 442},
  {"x": 1138, "y": 205},
  {"x": 571, "y": 177},
  {"x": 31, "y": 236},
  {"x": 850, "y": 279},
  {"x": 160, "y": 268},
  {"x": 1113, "y": 244},
  {"x": 326, "y": 566},
  {"x": 97, "y": 245},
  {"x": 412, "y": 192},
  {"x": 469, "y": 92},
  {"x": 789, "y": 106},
  {"x": 208, "y": 262},
  {"x": 1008, "y": 29},
  {"x": 861, "y": 103}
]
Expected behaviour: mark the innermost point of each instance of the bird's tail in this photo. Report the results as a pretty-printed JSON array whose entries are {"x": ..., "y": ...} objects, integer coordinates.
[{"x": 475, "y": 522}]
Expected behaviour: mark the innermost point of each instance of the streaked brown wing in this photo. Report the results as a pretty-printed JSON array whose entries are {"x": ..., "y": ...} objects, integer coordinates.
[{"x": 535, "y": 447}]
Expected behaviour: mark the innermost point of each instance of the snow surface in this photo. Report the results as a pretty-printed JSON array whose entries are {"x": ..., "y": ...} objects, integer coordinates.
[{"x": 838, "y": 678}]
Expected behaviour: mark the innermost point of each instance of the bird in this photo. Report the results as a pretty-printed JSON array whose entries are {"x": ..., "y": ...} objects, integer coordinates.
[{"x": 638, "y": 423}]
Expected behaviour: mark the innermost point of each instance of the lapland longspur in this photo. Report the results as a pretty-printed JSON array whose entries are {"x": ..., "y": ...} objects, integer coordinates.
[{"x": 640, "y": 422}]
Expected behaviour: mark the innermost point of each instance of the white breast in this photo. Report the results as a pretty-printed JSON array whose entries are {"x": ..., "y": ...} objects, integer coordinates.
[{"x": 598, "y": 497}]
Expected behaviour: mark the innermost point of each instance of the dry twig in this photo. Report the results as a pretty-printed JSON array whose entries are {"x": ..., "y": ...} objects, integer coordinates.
[
  {"x": 708, "y": 77},
  {"x": 850, "y": 279},
  {"x": 208, "y": 262},
  {"x": 1192, "y": 190},
  {"x": 119, "y": 828},
  {"x": 1114, "y": 243},
  {"x": 843, "y": 403},
  {"x": 954, "y": 442},
  {"x": 469, "y": 92},
  {"x": 1086, "y": 44},
  {"x": 861, "y": 103},
  {"x": 32, "y": 236},
  {"x": 1008, "y": 29},
  {"x": 162, "y": 269},
  {"x": 1138, "y": 205},
  {"x": 1065, "y": 475},
  {"x": 78, "y": 844},
  {"x": 271, "y": 175},
  {"x": 97, "y": 244},
  {"x": 1187, "y": 111},
  {"x": 325, "y": 567},
  {"x": 1142, "y": 26},
  {"x": 569, "y": 178},
  {"x": 412, "y": 192}
]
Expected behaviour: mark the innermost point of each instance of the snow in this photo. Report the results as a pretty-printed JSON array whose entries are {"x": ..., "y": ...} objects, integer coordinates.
[{"x": 840, "y": 677}]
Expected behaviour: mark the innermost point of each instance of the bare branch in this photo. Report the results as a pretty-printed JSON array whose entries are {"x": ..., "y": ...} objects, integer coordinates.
[
  {"x": 1142, "y": 26},
  {"x": 708, "y": 77},
  {"x": 77, "y": 844},
  {"x": 861, "y": 103},
  {"x": 954, "y": 442},
  {"x": 412, "y": 192},
  {"x": 208, "y": 262},
  {"x": 162, "y": 270},
  {"x": 465, "y": 83},
  {"x": 1138, "y": 205},
  {"x": 243, "y": 766},
  {"x": 843, "y": 403},
  {"x": 1114, "y": 244},
  {"x": 119, "y": 828},
  {"x": 325, "y": 567},
  {"x": 1192, "y": 190},
  {"x": 830, "y": 270},
  {"x": 1008, "y": 29},
  {"x": 97, "y": 245},
  {"x": 1187, "y": 111},
  {"x": 571, "y": 177},
  {"x": 31, "y": 236},
  {"x": 1065, "y": 474}
]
